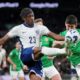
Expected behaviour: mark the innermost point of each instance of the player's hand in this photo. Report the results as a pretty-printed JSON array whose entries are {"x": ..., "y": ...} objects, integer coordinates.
[
  {"x": 14, "y": 67},
  {"x": 4, "y": 66},
  {"x": 25, "y": 68}
]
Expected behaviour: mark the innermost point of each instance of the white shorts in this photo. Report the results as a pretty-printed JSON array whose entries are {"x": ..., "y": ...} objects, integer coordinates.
[
  {"x": 50, "y": 72},
  {"x": 78, "y": 70},
  {"x": 27, "y": 77},
  {"x": 17, "y": 74}
]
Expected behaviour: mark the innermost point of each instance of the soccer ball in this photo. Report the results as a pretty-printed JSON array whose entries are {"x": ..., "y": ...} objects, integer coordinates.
[{"x": 72, "y": 36}]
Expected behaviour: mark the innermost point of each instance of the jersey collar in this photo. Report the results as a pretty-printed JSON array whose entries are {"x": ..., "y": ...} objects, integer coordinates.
[{"x": 26, "y": 25}]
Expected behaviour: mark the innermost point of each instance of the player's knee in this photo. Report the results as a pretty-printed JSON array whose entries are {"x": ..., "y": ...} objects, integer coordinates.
[
  {"x": 21, "y": 78},
  {"x": 37, "y": 56},
  {"x": 37, "y": 49},
  {"x": 37, "y": 53},
  {"x": 56, "y": 77},
  {"x": 33, "y": 76}
]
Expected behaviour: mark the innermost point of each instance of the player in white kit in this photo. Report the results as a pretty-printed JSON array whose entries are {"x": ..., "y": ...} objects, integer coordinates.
[
  {"x": 29, "y": 35},
  {"x": 3, "y": 62}
]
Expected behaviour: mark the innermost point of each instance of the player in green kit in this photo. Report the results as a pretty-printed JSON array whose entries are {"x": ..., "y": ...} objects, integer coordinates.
[
  {"x": 48, "y": 68},
  {"x": 16, "y": 65},
  {"x": 73, "y": 47},
  {"x": 63, "y": 33}
]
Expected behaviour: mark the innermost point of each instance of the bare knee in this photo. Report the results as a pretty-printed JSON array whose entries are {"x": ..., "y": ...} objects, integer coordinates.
[
  {"x": 37, "y": 53},
  {"x": 21, "y": 78},
  {"x": 34, "y": 77},
  {"x": 56, "y": 77}
]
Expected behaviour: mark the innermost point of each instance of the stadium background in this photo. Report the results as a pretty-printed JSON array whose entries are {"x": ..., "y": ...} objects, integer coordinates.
[{"x": 53, "y": 17}]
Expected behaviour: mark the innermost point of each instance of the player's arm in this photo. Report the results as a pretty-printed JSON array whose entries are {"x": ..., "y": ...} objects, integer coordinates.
[
  {"x": 12, "y": 33},
  {"x": 9, "y": 59},
  {"x": 45, "y": 31},
  {"x": 25, "y": 67},
  {"x": 4, "y": 60},
  {"x": 55, "y": 36},
  {"x": 11, "y": 62},
  {"x": 58, "y": 43},
  {"x": 4, "y": 39}
]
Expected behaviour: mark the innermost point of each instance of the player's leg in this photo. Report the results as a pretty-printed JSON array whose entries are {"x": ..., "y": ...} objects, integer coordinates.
[
  {"x": 39, "y": 52},
  {"x": 36, "y": 53},
  {"x": 21, "y": 75},
  {"x": 52, "y": 73},
  {"x": 43, "y": 76},
  {"x": 73, "y": 73},
  {"x": 34, "y": 77},
  {"x": 36, "y": 71},
  {"x": 27, "y": 57},
  {"x": 52, "y": 51},
  {"x": 56, "y": 77},
  {"x": 78, "y": 71},
  {"x": 27, "y": 77},
  {"x": 14, "y": 75}
]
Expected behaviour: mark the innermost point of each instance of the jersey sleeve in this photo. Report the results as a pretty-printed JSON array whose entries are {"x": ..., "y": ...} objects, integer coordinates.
[
  {"x": 11, "y": 54},
  {"x": 13, "y": 32},
  {"x": 44, "y": 30}
]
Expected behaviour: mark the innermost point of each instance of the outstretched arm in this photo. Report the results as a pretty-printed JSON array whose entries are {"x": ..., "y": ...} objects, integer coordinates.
[
  {"x": 58, "y": 44},
  {"x": 4, "y": 39},
  {"x": 55, "y": 36}
]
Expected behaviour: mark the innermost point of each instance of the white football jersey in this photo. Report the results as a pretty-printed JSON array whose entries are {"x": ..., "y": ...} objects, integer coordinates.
[{"x": 28, "y": 36}]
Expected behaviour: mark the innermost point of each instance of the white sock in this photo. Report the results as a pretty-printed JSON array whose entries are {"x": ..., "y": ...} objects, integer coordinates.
[{"x": 52, "y": 51}]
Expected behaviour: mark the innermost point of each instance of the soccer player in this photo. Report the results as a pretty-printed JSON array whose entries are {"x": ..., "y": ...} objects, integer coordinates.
[
  {"x": 29, "y": 35},
  {"x": 3, "y": 63},
  {"x": 16, "y": 65},
  {"x": 47, "y": 61},
  {"x": 74, "y": 47},
  {"x": 48, "y": 68},
  {"x": 73, "y": 71}
]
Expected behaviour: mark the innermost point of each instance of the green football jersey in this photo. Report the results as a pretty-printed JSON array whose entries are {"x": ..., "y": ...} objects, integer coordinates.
[
  {"x": 15, "y": 57},
  {"x": 74, "y": 58},
  {"x": 46, "y": 41}
]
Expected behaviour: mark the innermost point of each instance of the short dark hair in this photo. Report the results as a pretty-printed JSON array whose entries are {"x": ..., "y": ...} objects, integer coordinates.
[
  {"x": 25, "y": 12},
  {"x": 71, "y": 19}
]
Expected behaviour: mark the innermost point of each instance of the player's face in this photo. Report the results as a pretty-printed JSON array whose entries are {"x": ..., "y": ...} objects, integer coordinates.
[
  {"x": 18, "y": 45},
  {"x": 29, "y": 19},
  {"x": 68, "y": 26}
]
